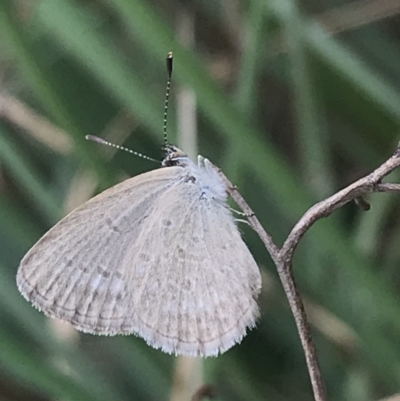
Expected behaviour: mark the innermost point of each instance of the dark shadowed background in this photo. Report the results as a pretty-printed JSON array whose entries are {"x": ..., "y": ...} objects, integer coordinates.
[{"x": 294, "y": 100}]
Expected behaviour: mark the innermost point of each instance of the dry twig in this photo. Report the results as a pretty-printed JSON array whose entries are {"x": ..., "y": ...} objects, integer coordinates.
[{"x": 283, "y": 256}]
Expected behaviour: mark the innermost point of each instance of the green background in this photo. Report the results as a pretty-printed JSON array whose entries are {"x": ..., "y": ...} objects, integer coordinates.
[{"x": 291, "y": 104}]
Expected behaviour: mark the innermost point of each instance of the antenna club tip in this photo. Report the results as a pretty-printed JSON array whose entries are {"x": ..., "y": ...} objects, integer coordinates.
[
  {"x": 169, "y": 65},
  {"x": 95, "y": 139}
]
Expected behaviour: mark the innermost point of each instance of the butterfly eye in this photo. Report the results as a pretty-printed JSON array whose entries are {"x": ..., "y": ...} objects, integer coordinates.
[{"x": 174, "y": 157}]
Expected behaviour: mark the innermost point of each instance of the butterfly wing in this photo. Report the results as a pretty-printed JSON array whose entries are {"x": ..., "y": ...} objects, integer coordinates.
[
  {"x": 193, "y": 282},
  {"x": 147, "y": 257},
  {"x": 75, "y": 272}
]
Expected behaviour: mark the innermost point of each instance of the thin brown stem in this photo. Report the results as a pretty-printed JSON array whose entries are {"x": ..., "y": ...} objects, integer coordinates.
[
  {"x": 289, "y": 285},
  {"x": 283, "y": 257},
  {"x": 365, "y": 185}
]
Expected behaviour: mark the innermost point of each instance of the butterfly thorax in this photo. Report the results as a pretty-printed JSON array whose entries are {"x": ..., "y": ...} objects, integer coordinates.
[{"x": 203, "y": 174}]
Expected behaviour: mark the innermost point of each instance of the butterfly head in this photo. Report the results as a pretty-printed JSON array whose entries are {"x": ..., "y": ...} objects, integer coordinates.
[{"x": 174, "y": 157}]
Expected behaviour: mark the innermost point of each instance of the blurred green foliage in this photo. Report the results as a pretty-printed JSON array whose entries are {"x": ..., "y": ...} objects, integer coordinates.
[{"x": 290, "y": 111}]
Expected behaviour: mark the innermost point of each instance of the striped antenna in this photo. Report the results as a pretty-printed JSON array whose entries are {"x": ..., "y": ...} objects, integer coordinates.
[
  {"x": 104, "y": 142},
  {"x": 169, "y": 75},
  {"x": 113, "y": 145}
]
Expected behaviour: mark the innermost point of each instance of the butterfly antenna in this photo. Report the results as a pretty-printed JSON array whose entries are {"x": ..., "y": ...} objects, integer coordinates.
[
  {"x": 169, "y": 75},
  {"x": 113, "y": 145}
]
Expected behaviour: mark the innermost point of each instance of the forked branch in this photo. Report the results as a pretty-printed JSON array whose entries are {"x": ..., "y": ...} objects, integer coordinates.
[{"x": 283, "y": 257}]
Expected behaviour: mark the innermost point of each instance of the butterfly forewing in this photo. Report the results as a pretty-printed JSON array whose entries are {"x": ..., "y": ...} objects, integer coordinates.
[{"x": 73, "y": 267}]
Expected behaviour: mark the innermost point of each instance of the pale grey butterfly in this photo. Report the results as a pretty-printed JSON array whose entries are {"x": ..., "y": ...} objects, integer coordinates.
[{"x": 158, "y": 255}]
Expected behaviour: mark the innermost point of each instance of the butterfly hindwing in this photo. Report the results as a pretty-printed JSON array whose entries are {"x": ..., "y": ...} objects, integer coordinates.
[{"x": 193, "y": 281}]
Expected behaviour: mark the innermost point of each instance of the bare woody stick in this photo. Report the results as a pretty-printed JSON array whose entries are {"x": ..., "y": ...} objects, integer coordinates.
[{"x": 283, "y": 257}]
